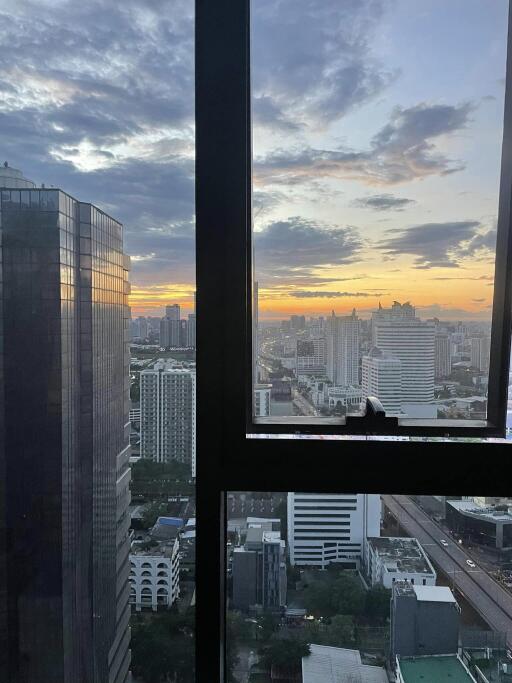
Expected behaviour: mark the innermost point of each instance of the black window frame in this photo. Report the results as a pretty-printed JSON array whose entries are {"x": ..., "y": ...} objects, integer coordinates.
[{"x": 275, "y": 460}]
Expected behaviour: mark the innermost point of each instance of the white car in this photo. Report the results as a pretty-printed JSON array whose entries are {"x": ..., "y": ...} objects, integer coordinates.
[
  {"x": 443, "y": 542},
  {"x": 470, "y": 563}
]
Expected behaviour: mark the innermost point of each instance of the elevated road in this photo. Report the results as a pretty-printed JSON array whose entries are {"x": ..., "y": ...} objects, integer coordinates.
[{"x": 486, "y": 596}]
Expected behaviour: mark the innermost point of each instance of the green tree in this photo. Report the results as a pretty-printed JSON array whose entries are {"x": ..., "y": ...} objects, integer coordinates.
[
  {"x": 285, "y": 652},
  {"x": 347, "y": 594},
  {"x": 318, "y": 599},
  {"x": 340, "y": 631},
  {"x": 151, "y": 513},
  {"x": 377, "y": 602}
]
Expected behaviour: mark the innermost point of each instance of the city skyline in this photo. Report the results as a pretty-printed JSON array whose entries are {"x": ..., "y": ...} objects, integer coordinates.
[{"x": 375, "y": 173}]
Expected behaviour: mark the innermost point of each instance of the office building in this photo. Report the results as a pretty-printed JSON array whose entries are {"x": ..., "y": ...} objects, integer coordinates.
[
  {"x": 398, "y": 332},
  {"x": 171, "y": 332},
  {"x": 480, "y": 351},
  {"x": 347, "y": 399},
  {"x": 64, "y": 449},
  {"x": 259, "y": 570},
  {"x": 382, "y": 377},
  {"x": 343, "y": 336},
  {"x": 489, "y": 525},
  {"x": 173, "y": 312},
  {"x": 442, "y": 356},
  {"x": 154, "y": 575},
  {"x": 326, "y": 528},
  {"x": 191, "y": 331},
  {"x": 311, "y": 356},
  {"x": 424, "y": 620},
  {"x": 297, "y": 322},
  {"x": 168, "y": 413},
  {"x": 326, "y": 664},
  {"x": 388, "y": 560}
]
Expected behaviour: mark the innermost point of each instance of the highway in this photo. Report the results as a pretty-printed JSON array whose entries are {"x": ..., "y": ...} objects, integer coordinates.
[{"x": 486, "y": 596}]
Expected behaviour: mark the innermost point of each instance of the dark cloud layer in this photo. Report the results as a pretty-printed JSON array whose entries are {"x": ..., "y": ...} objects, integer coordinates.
[
  {"x": 403, "y": 150},
  {"x": 383, "y": 202},
  {"x": 304, "y": 294},
  {"x": 296, "y": 246},
  {"x": 439, "y": 244}
]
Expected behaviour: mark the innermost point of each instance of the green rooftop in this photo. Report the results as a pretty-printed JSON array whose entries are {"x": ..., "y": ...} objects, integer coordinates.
[{"x": 436, "y": 669}]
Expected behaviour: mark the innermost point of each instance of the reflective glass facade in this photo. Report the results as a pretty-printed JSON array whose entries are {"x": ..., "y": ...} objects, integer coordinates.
[{"x": 64, "y": 459}]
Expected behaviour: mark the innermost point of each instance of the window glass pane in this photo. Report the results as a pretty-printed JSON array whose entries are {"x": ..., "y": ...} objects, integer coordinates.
[
  {"x": 377, "y": 133},
  {"x": 349, "y": 587},
  {"x": 97, "y": 400}
]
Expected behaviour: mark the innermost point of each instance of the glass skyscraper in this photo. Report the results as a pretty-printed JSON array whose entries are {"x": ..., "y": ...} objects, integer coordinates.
[{"x": 64, "y": 449}]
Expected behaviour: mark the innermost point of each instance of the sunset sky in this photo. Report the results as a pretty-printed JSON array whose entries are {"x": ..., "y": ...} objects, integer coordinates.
[{"x": 377, "y": 134}]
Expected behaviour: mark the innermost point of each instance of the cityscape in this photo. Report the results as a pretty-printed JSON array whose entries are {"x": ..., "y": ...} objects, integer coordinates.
[{"x": 377, "y": 135}]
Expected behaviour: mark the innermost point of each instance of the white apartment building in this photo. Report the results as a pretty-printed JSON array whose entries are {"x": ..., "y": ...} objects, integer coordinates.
[
  {"x": 348, "y": 397},
  {"x": 391, "y": 559},
  {"x": 382, "y": 377},
  {"x": 155, "y": 576},
  {"x": 325, "y": 528},
  {"x": 398, "y": 332},
  {"x": 343, "y": 336},
  {"x": 262, "y": 400},
  {"x": 168, "y": 414},
  {"x": 311, "y": 356}
]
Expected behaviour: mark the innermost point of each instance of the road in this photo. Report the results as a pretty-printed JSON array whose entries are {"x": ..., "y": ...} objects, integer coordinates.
[
  {"x": 485, "y": 595},
  {"x": 303, "y": 405}
]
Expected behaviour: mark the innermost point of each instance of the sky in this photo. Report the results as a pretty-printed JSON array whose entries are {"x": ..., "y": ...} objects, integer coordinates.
[{"x": 376, "y": 140}]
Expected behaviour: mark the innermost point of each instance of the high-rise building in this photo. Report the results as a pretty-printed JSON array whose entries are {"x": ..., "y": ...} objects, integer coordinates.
[
  {"x": 191, "y": 331},
  {"x": 442, "y": 355},
  {"x": 382, "y": 377},
  {"x": 170, "y": 332},
  {"x": 172, "y": 312},
  {"x": 297, "y": 322},
  {"x": 398, "y": 332},
  {"x": 262, "y": 400},
  {"x": 64, "y": 449},
  {"x": 326, "y": 528},
  {"x": 343, "y": 336},
  {"x": 480, "y": 351},
  {"x": 168, "y": 414}
]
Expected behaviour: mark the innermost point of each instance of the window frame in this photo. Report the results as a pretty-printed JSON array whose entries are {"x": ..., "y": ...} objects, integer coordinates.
[{"x": 275, "y": 460}]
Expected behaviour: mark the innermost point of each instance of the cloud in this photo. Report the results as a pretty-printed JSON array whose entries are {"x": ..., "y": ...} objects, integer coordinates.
[
  {"x": 312, "y": 61},
  {"x": 383, "y": 202},
  {"x": 403, "y": 150},
  {"x": 480, "y": 277},
  {"x": 442, "y": 245},
  {"x": 478, "y": 301},
  {"x": 301, "y": 294},
  {"x": 447, "y": 313},
  {"x": 296, "y": 246}
]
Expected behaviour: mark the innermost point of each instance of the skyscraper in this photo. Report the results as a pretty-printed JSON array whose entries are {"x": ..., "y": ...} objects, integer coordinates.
[
  {"x": 480, "y": 351},
  {"x": 442, "y": 355},
  {"x": 398, "y": 332},
  {"x": 168, "y": 414},
  {"x": 191, "y": 331},
  {"x": 64, "y": 450},
  {"x": 382, "y": 377},
  {"x": 343, "y": 335},
  {"x": 325, "y": 528}
]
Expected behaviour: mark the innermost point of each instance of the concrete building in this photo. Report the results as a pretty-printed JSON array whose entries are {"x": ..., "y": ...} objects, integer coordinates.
[
  {"x": 191, "y": 331},
  {"x": 154, "y": 576},
  {"x": 382, "y": 377},
  {"x": 338, "y": 665},
  {"x": 311, "y": 356},
  {"x": 343, "y": 337},
  {"x": 398, "y": 332},
  {"x": 262, "y": 400},
  {"x": 442, "y": 355},
  {"x": 424, "y": 621},
  {"x": 487, "y": 525},
  {"x": 326, "y": 528},
  {"x": 388, "y": 560},
  {"x": 259, "y": 570},
  {"x": 170, "y": 332},
  {"x": 168, "y": 413},
  {"x": 348, "y": 397},
  {"x": 480, "y": 352},
  {"x": 64, "y": 439},
  {"x": 433, "y": 669}
]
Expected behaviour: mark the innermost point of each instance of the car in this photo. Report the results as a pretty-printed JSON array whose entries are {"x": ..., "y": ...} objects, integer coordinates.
[
  {"x": 470, "y": 563},
  {"x": 443, "y": 542}
]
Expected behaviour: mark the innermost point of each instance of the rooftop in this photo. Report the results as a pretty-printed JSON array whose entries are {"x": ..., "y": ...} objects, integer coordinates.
[
  {"x": 401, "y": 554},
  {"x": 468, "y": 507},
  {"x": 434, "y": 594},
  {"x": 434, "y": 669},
  {"x": 338, "y": 665}
]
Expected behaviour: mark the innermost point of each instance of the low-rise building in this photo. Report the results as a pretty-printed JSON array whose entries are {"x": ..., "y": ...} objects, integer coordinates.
[
  {"x": 388, "y": 560},
  {"x": 424, "y": 621},
  {"x": 339, "y": 665},
  {"x": 488, "y": 525},
  {"x": 154, "y": 575},
  {"x": 433, "y": 669}
]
